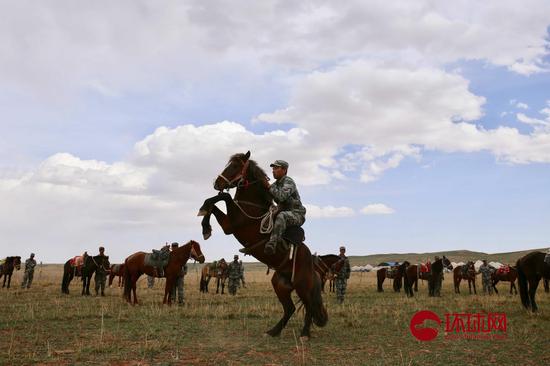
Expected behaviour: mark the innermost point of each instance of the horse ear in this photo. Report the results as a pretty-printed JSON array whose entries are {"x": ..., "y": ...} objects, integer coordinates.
[{"x": 247, "y": 155}]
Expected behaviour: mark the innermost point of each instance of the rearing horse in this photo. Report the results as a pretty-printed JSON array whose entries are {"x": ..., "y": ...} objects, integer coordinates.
[{"x": 243, "y": 219}]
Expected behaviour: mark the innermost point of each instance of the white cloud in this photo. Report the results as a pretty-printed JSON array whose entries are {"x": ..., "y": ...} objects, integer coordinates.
[
  {"x": 317, "y": 212},
  {"x": 377, "y": 209}
]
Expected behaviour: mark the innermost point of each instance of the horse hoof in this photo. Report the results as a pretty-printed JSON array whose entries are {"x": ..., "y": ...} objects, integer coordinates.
[
  {"x": 206, "y": 235},
  {"x": 202, "y": 212}
]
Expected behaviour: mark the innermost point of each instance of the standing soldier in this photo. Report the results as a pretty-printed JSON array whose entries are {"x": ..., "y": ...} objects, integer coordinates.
[
  {"x": 437, "y": 281},
  {"x": 242, "y": 274},
  {"x": 29, "y": 272},
  {"x": 179, "y": 281},
  {"x": 101, "y": 273},
  {"x": 150, "y": 281},
  {"x": 342, "y": 276},
  {"x": 234, "y": 275},
  {"x": 485, "y": 271}
]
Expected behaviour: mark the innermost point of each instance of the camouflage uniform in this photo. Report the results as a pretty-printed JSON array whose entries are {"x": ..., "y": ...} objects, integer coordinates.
[
  {"x": 486, "y": 272},
  {"x": 150, "y": 281},
  {"x": 100, "y": 276},
  {"x": 29, "y": 272},
  {"x": 341, "y": 279},
  {"x": 291, "y": 210},
  {"x": 234, "y": 276},
  {"x": 179, "y": 285}
]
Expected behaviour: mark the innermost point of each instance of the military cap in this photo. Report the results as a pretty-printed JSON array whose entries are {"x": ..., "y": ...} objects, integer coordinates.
[
  {"x": 235, "y": 256},
  {"x": 342, "y": 248},
  {"x": 101, "y": 249},
  {"x": 32, "y": 254},
  {"x": 280, "y": 163},
  {"x": 175, "y": 245}
]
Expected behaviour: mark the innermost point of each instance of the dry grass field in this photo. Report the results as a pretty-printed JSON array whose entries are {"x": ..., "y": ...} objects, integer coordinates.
[{"x": 42, "y": 326}]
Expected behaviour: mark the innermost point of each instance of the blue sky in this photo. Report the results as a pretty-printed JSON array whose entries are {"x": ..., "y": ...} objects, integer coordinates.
[{"x": 409, "y": 127}]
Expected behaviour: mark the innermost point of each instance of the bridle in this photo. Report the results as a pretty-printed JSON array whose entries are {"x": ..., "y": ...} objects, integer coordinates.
[{"x": 236, "y": 181}]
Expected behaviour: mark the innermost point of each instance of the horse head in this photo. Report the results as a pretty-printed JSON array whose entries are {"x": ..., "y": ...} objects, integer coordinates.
[
  {"x": 234, "y": 172},
  {"x": 447, "y": 263},
  {"x": 17, "y": 262},
  {"x": 196, "y": 252}
]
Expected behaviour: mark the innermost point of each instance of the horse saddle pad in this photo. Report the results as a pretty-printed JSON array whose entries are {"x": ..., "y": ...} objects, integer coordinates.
[
  {"x": 294, "y": 235},
  {"x": 424, "y": 268},
  {"x": 77, "y": 261},
  {"x": 154, "y": 261},
  {"x": 503, "y": 270}
]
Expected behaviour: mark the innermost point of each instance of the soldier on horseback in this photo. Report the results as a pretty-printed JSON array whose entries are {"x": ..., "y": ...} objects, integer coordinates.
[{"x": 289, "y": 206}]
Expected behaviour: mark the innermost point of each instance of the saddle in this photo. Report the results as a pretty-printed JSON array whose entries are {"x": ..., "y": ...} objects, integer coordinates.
[
  {"x": 464, "y": 270},
  {"x": 503, "y": 270},
  {"x": 158, "y": 259},
  {"x": 424, "y": 268},
  {"x": 295, "y": 235}
]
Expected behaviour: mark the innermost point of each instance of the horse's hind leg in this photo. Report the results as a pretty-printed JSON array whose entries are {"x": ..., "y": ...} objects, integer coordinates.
[
  {"x": 533, "y": 284},
  {"x": 513, "y": 286},
  {"x": 283, "y": 289}
]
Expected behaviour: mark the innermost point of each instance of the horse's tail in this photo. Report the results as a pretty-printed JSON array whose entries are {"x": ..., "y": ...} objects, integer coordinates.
[
  {"x": 127, "y": 283},
  {"x": 318, "y": 311},
  {"x": 522, "y": 282}
]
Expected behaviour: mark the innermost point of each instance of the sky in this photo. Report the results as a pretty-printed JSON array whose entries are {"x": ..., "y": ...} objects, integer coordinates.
[{"x": 409, "y": 126}]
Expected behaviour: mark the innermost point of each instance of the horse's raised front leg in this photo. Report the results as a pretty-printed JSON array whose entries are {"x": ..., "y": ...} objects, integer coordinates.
[
  {"x": 209, "y": 208},
  {"x": 283, "y": 289}
]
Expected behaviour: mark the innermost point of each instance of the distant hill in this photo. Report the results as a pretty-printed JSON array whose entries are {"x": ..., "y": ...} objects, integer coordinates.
[{"x": 453, "y": 255}]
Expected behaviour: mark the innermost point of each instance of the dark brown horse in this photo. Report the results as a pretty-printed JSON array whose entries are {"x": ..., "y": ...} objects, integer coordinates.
[
  {"x": 71, "y": 269},
  {"x": 465, "y": 272},
  {"x": 218, "y": 270},
  {"x": 134, "y": 267},
  {"x": 395, "y": 273},
  {"x": 117, "y": 270},
  {"x": 413, "y": 272},
  {"x": 6, "y": 268},
  {"x": 83, "y": 269},
  {"x": 243, "y": 219},
  {"x": 531, "y": 268},
  {"x": 327, "y": 266},
  {"x": 509, "y": 275}
]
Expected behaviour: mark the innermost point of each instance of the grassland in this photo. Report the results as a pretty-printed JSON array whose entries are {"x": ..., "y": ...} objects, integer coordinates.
[{"x": 42, "y": 326}]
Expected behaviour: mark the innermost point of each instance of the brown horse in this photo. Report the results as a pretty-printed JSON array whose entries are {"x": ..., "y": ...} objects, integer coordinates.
[
  {"x": 327, "y": 266},
  {"x": 117, "y": 270},
  {"x": 6, "y": 268},
  {"x": 218, "y": 270},
  {"x": 502, "y": 275},
  {"x": 465, "y": 272},
  {"x": 243, "y": 219},
  {"x": 134, "y": 267},
  {"x": 531, "y": 268},
  {"x": 412, "y": 274},
  {"x": 395, "y": 273}
]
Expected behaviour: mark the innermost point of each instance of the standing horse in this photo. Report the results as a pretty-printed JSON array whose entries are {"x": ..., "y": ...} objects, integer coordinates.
[
  {"x": 411, "y": 275},
  {"x": 217, "y": 269},
  {"x": 531, "y": 268},
  {"x": 395, "y": 273},
  {"x": 465, "y": 272},
  {"x": 501, "y": 275},
  {"x": 436, "y": 275},
  {"x": 134, "y": 267},
  {"x": 116, "y": 270},
  {"x": 243, "y": 219},
  {"x": 71, "y": 269},
  {"x": 327, "y": 266},
  {"x": 6, "y": 268}
]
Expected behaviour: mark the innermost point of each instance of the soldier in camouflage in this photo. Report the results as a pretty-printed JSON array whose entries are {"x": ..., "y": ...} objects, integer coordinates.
[
  {"x": 290, "y": 208},
  {"x": 234, "y": 275},
  {"x": 100, "y": 275},
  {"x": 29, "y": 272},
  {"x": 179, "y": 281},
  {"x": 150, "y": 281},
  {"x": 486, "y": 272},
  {"x": 342, "y": 277}
]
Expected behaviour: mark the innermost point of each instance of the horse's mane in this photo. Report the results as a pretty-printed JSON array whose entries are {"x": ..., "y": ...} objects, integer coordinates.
[{"x": 253, "y": 167}]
